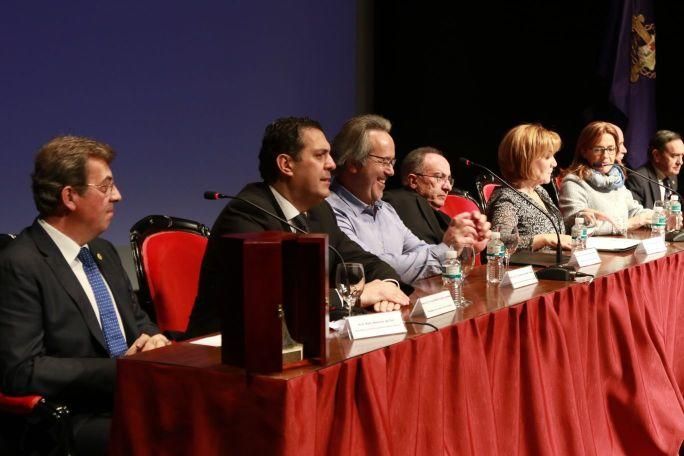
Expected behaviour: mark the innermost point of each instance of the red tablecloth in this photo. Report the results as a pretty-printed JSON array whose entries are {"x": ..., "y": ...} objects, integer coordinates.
[{"x": 591, "y": 369}]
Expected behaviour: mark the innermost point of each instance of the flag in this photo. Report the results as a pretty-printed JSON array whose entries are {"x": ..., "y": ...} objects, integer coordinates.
[{"x": 633, "y": 75}]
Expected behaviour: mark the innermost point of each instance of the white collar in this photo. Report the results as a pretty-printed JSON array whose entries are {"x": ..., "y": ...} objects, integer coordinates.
[
  {"x": 289, "y": 211},
  {"x": 67, "y": 246}
]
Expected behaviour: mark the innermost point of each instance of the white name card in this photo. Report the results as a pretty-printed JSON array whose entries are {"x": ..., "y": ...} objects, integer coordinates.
[
  {"x": 652, "y": 245},
  {"x": 520, "y": 277},
  {"x": 586, "y": 257},
  {"x": 375, "y": 324},
  {"x": 433, "y": 305}
]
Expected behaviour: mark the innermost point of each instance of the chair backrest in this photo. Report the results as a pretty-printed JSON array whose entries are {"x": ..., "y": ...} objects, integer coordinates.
[
  {"x": 168, "y": 253},
  {"x": 5, "y": 239},
  {"x": 485, "y": 185},
  {"x": 459, "y": 202}
]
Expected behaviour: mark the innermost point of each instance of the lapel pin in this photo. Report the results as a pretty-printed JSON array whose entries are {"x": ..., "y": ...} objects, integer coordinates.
[{"x": 99, "y": 256}]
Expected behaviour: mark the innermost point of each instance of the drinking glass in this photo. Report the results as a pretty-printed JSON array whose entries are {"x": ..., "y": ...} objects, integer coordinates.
[
  {"x": 510, "y": 239},
  {"x": 466, "y": 256},
  {"x": 350, "y": 280}
]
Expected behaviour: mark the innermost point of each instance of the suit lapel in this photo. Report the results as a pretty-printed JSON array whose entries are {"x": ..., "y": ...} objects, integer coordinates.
[
  {"x": 655, "y": 188},
  {"x": 428, "y": 214},
  {"x": 65, "y": 276},
  {"x": 261, "y": 194}
]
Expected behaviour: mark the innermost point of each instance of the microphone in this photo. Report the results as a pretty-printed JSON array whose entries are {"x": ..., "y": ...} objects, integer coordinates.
[
  {"x": 670, "y": 236},
  {"x": 333, "y": 311},
  {"x": 556, "y": 272}
]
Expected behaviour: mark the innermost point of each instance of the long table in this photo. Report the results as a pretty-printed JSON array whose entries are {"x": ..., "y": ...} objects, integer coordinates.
[{"x": 556, "y": 368}]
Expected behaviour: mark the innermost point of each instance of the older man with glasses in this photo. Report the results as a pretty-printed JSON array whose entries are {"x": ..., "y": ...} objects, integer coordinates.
[
  {"x": 426, "y": 179},
  {"x": 365, "y": 158}
]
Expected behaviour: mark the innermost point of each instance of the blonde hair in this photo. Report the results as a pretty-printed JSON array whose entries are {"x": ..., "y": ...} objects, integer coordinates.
[{"x": 521, "y": 146}]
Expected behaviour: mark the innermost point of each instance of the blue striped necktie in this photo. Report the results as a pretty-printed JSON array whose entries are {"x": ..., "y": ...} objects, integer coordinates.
[{"x": 116, "y": 343}]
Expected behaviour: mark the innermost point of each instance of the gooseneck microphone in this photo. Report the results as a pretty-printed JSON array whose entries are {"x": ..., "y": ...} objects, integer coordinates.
[{"x": 556, "y": 272}]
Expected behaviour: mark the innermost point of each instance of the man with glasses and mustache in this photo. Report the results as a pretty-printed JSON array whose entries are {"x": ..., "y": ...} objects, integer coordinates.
[
  {"x": 666, "y": 151},
  {"x": 426, "y": 179},
  {"x": 364, "y": 153},
  {"x": 67, "y": 308}
]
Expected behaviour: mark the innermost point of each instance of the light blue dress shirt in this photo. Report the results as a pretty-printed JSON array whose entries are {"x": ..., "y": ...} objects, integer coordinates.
[{"x": 378, "y": 229}]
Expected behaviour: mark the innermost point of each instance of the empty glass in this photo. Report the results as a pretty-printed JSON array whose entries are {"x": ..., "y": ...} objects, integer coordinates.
[
  {"x": 510, "y": 239},
  {"x": 349, "y": 281}
]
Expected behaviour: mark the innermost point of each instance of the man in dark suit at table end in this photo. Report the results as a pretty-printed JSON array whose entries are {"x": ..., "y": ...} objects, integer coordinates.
[
  {"x": 295, "y": 165},
  {"x": 67, "y": 308},
  {"x": 426, "y": 179},
  {"x": 666, "y": 152}
]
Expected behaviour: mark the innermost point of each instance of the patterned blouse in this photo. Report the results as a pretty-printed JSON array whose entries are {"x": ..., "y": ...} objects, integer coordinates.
[{"x": 507, "y": 209}]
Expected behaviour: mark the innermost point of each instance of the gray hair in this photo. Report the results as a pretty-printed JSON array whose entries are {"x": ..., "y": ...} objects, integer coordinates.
[
  {"x": 413, "y": 162},
  {"x": 351, "y": 144}
]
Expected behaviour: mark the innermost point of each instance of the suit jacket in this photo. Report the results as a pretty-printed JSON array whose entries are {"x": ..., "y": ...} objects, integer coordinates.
[
  {"x": 645, "y": 192},
  {"x": 417, "y": 214},
  {"x": 50, "y": 341},
  {"x": 238, "y": 217}
]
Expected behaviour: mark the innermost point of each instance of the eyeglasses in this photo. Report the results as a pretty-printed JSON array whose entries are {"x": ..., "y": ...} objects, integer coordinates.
[
  {"x": 600, "y": 150},
  {"x": 441, "y": 178},
  {"x": 384, "y": 161},
  {"x": 105, "y": 188}
]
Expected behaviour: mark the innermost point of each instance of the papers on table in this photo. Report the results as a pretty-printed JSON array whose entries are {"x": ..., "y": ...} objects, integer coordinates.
[
  {"x": 211, "y": 341},
  {"x": 611, "y": 244}
]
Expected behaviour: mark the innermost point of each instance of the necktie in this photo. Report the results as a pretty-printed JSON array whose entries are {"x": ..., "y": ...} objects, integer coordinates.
[
  {"x": 116, "y": 343},
  {"x": 668, "y": 192},
  {"x": 301, "y": 222}
]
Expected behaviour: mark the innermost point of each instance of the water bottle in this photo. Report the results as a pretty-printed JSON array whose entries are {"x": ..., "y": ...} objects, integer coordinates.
[
  {"x": 495, "y": 258},
  {"x": 452, "y": 278},
  {"x": 579, "y": 234},
  {"x": 674, "y": 216},
  {"x": 659, "y": 219}
]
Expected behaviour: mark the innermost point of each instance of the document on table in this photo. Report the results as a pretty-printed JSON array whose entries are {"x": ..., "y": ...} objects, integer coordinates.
[
  {"x": 211, "y": 341},
  {"x": 611, "y": 244}
]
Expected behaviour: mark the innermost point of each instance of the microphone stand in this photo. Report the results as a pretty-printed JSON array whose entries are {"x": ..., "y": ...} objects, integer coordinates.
[
  {"x": 556, "y": 272},
  {"x": 670, "y": 236}
]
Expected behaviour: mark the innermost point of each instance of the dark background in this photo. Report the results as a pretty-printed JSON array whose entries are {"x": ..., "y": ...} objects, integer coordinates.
[
  {"x": 183, "y": 90},
  {"x": 458, "y": 76}
]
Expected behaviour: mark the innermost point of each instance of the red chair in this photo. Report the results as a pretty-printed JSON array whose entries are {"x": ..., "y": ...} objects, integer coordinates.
[
  {"x": 35, "y": 408},
  {"x": 168, "y": 253},
  {"x": 485, "y": 185},
  {"x": 458, "y": 202}
]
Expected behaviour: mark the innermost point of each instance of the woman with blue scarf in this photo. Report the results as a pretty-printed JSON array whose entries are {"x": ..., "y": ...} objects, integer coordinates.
[{"x": 595, "y": 183}]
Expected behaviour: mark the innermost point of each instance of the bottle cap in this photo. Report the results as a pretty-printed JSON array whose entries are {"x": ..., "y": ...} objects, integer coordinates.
[
  {"x": 451, "y": 254},
  {"x": 496, "y": 235},
  {"x": 674, "y": 198},
  {"x": 579, "y": 221}
]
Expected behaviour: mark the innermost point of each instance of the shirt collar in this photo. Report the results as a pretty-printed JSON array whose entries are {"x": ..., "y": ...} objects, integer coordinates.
[
  {"x": 289, "y": 211},
  {"x": 67, "y": 246},
  {"x": 356, "y": 205}
]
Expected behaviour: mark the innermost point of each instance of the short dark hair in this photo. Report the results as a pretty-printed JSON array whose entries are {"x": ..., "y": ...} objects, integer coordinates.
[
  {"x": 413, "y": 162},
  {"x": 61, "y": 162},
  {"x": 282, "y": 136},
  {"x": 661, "y": 139}
]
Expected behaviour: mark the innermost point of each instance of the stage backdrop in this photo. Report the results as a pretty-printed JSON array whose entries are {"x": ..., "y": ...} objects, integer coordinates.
[{"x": 182, "y": 90}]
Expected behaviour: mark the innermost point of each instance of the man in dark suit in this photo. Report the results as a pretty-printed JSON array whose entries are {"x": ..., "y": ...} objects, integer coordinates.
[
  {"x": 67, "y": 309},
  {"x": 666, "y": 151},
  {"x": 295, "y": 165},
  {"x": 426, "y": 179}
]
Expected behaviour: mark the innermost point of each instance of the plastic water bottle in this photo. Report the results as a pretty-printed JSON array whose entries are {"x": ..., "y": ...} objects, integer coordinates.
[
  {"x": 659, "y": 219},
  {"x": 496, "y": 251},
  {"x": 452, "y": 278},
  {"x": 674, "y": 216},
  {"x": 579, "y": 234}
]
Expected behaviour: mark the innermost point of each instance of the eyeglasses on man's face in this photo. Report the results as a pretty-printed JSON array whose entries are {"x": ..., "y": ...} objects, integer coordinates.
[
  {"x": 384, "y": 161},
  {"x": 440, "y": 178},
  {"x": 106, "y": 187},
  {"x": 600, "y": 150}
]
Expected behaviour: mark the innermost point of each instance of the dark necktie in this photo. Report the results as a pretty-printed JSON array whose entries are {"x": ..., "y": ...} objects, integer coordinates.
[
  {"x": 668, "y": 192},
  {"x": 301, "y": 222},
  {"x": 116, "y": 343}
]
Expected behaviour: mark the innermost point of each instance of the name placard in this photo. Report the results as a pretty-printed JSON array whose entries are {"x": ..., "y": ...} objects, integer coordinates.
[
  {"x": 520, "y": 277},
  {"x": 433, "y": 305},
  {"x": 375, "y": 324},
  {"x": 586, "y": 257},
  {"x": 652, "y": 245}
]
